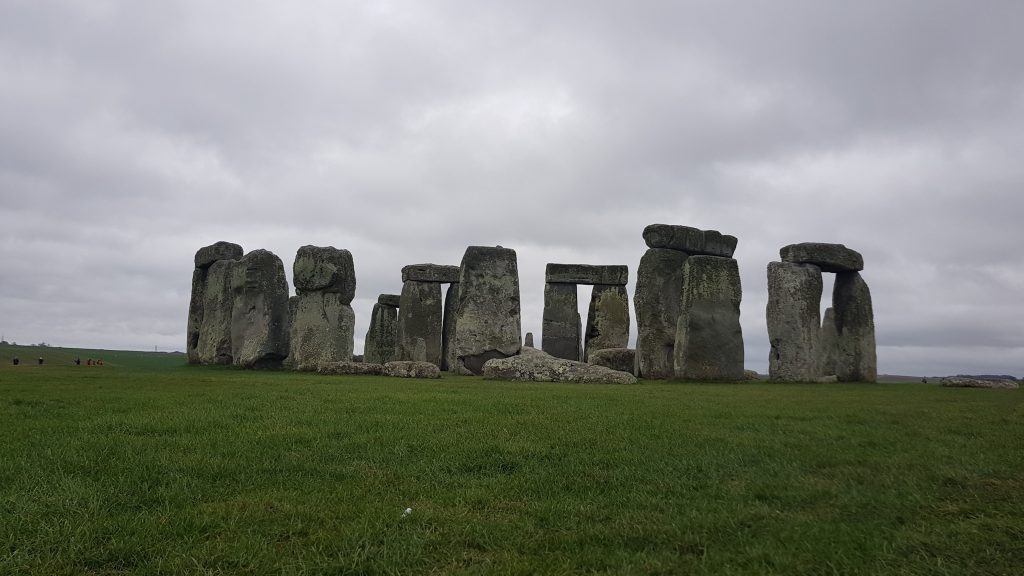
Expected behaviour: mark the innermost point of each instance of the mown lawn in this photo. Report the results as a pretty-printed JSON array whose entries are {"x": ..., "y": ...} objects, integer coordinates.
[{"x": 149, "y": 467}]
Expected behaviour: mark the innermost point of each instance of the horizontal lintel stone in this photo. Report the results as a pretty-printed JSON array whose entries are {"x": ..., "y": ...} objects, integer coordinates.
[{"x": 613, "y": 275}]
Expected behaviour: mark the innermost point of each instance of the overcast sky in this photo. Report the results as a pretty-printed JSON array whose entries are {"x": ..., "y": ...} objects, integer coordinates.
[{"x": 133, "y": 133}]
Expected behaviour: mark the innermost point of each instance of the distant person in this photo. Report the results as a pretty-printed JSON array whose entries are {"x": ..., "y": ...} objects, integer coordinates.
[
  {"x": 100, "y": 361},
  {"x": 40, "y": 360},
  {"x": 16, "y": 361},
  {"x": 88, "y": 362},
  {"x": 78, "y": 361}
]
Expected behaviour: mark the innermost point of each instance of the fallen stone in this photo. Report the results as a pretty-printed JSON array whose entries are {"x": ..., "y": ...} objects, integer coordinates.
[
  {"x": 607, "y": 319},
  {"x": 855, "y": 327},
  {"x": 393, "y": 300},
  {"x": 621, "y": 359},
  {"x": 325, "y": 269},
  {"x": 693, "y": 241},
  {"x": 487, "y": 323},
  {"x": 751, "y": 375},
  {"x": 259, "y": 317},
  {"x": 533, "y": 365},
  {"x": 794, "y": 321},
  {"x": 659, "y": 289},
  {"x": 965, "y": 382},
  {"x": 408, "y": 369},
  {"x": 322, "y": 327},
  {"x": 709, "y": 339},
  {"x": 451, "y": 304},
  {"x": 207, "y": 255},
  {"x": 528, "y": 340},
  {"x": 354, "y": 368},
  {"x": 420, "y": 318},
  {"x": 586, "y": 274},
  {"x": 828, "y": 344},
  {"x": 430, "y": 273},
  {"x": 382, "y": 335},
  {"x": 828, "y": 257},
  {"x": 213, "y": 343},
  {"x": 561, "y": 323}
]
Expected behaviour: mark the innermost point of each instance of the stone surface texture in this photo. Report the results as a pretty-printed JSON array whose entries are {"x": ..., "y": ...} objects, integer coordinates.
[
  {"x": 382, "y": 335},
  {"x": 828, "y": 344},
  {"x": 709, "y": 340},
  {"x": 659, "y": 289},
  {"x": 259, "y": 316},
  {"x": 561, "y": 325},
  {"x": 322, "y": 329},
  {"x": 488, "y": 323},
  {"x": 213, "y": 343},
  {"x": 528, "y": 339},
  {"x": 621, "y": 359},
  {"x": 828, "y": 257},
  {"x": 794, "y": 321},
  {"x": 451, "y": 304},
  {"x": 586, "y": 274},
  {"x": 393, "y": 300},
  {"x": 207, "y": 255},
  {"x": 325, "y": 269},
  {"x": 968, "y": 382},
  {"x": 441, "y": 273},
  {"x": 693, "y": 241},
  {"x": 343, "y": 368},
  {"x": 607, "y": 319},
  {"x": 533, "y": 365},
  {"x": 855, "y": 328},
  {"x": 420, "y": 322},
  {"x": 410, "y": 369}
]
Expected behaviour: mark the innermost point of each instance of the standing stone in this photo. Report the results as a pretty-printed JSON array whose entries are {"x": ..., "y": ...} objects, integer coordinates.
[
  {"x": 488, "y": 323},
  {"x": 382, "y": 336},
  {"x": 528, "y": 340},
  {"x": 259, "y": 317},
  {"x": 659, "y": 289},
  {"x": 828, "y": 344},
  {"x": 794, "y": 304},
  {"x": 451, "y": 303},
  {"x": 325, "y": 269},
  {"x": 213, "y": 345},
  {"x": 607, "y": 319},
  {"x": 322, "y": 328},
  {"x": 204, "y": 259},
  {"x": 420, "y": 317},
  {"x": 709, "y": 340},
  {"x": 855, "y": 326},
  {"x": 560, "y": 336}
]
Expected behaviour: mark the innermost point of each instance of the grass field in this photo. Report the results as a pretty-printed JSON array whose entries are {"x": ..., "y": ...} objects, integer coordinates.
[{"x": 147, "y": 466}]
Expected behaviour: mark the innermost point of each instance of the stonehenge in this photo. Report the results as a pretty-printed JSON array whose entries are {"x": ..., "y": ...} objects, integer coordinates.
[
  {"x": 259, "y": 315},
  {"x": 804, "y": 347},
  {"x": 382, "y": 335},
  {"x": 709, "y": 340},
  {"x": 208, "y": 334},
  {"x": 421, "y": 319},
  {"x": 322, "y": 322},
  {"x": 487, "y": 320},
  {"x": 608, "y": 313}
]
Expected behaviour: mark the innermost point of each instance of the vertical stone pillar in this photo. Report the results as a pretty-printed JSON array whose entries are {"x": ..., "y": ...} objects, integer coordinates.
[
  {"x": 560, "y": 335},
  {"x": 214, "y": 342},
  {"x": 794, "y": 301},
  {"x": 205, "y": 258},
  {"x": 709, "y": 339},
  {"x": 382, "y": 335},
  {"x": 487, "y": 322},
  {"x": 420, "y": 318},
  {"x": 828, "y": 344},
  {"x": 322, "y": 319},
  {"x": 855, "y": 327},
  {"x": 259, "y": 317},
  {"x": 451, "y": 304},
  {"x": 607, "y": 319},
  {"x": 659, "y": 289}
]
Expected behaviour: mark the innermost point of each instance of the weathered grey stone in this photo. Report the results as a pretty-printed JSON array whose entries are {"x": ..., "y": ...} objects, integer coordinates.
[
  {"x": 382, "y": 335},
  {"x": 487, "y": 322},
  {"x": 794, "y": 321},
  {"x": 451, "y": 304},
  {"x": 533, "y": 365},
  {"x": 356, "y": 368},
  {"x": 195, "y": 315},
  {"x": 393, "y": 300},
  {"x": 213, "y": 343},
  {"x": 586, "y": 274},
  {"x": 420, "y": 317},
  {"x": 607, "y": 319},
  {"x": 409, "y": 369},
  {"x": 751, "y": 375},
  {"x": 828, "y": 344},
  {"x": 855, "y": 326},
  {"x": 259, "y": 316},
  {"x": 207, "y": 255},
  {"x": 528, "y": 340},
  {"x": 322, "y": 329},
  {"x": 621, "y": 359},
  {"x": 693, "y": 241},
  {"x": 709, "y": 340},
  {"x": 561, "y": 322},
  {"x": 968, "y": 382},
  {"x": 357, "y": 357},
  {"x": 430, "y": 273},
  {"x": 325, "y": 269},
  {"x": 828, "y": 257},
  {"x": 659, "y": 289}
]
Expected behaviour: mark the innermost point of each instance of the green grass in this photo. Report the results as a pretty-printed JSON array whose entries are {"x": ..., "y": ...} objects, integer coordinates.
[{"x": 145, "y": 466}]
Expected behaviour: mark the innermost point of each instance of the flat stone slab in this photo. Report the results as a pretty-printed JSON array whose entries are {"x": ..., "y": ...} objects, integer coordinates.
[
  {"x": 532, "y": 365},
  {"x": 217, "y": 251},
  {"x": 412, "y": 369},
  {"x": 621, "y": 359},
  {"x": 614, "y": 275},
  {"x": 964, "y": 382},
  {"x": 345, "y": 368},
  {"x": 693, "y": 241},
  {"x": 441, "y": 273},
  {"x": 392, "y": 300},
  {"x": 828, "y": 257}
]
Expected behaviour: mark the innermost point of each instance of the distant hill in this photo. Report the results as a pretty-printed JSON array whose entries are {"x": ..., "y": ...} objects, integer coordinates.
[{"x": 56, "y": 356}]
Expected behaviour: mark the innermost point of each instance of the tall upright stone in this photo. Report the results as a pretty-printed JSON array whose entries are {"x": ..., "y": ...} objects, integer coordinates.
[
  {"x": 382, "y": 335},
  {"x": 709, "y": 339},
  {"x": 659, "y": 289},
  {"x": 794, "y": 301},
  {"x": 205, "y": 257},
  {"x": 488, "y": 323},
  {"x": 855, "y": 327},
  {"x": 451, "y": 304},
  {"x": 560, "y": 331},
  {"x": 322, "y": 320},
  {"x": 214, "y": 343},
  {"x": 607, "y": 319},
  {"x": 420, "y": 319},
  {"x": 259, "y": 317},
  {"x": 828, "y": 344}
]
